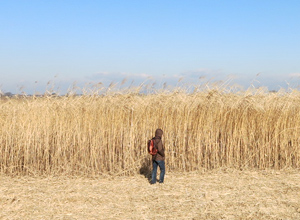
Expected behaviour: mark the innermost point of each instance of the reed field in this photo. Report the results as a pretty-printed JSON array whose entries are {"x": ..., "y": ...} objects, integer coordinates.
[
  {"x": 229, "y": 154},
  {"x": 95, "y": 134}
]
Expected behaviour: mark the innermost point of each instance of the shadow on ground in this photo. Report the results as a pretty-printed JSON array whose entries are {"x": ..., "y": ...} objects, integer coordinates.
[{"x": 145, "y": 169}]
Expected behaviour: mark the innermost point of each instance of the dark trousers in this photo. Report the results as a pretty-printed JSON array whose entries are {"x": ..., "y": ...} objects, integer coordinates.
[{"x": 161, "y": 164}]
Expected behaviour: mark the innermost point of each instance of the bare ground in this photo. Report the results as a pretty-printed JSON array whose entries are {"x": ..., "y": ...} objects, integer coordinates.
[{"x": 218, "y": 194}]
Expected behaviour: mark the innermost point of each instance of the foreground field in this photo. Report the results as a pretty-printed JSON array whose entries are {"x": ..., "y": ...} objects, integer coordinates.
[{"x": 218, "y": 194}]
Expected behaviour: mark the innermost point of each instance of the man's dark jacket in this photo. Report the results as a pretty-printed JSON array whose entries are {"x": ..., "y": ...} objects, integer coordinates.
[{"x": 159, "y": 145}]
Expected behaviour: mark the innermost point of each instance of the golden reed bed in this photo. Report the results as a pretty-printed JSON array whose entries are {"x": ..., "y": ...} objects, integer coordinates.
[{"x": 107, "y": 134}]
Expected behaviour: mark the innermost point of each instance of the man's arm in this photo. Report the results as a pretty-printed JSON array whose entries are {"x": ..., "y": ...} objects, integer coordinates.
[{"x": 160, "y": 149}]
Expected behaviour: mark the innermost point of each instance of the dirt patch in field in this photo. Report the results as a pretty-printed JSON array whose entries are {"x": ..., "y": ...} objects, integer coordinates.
[{"x": 213, "y": 195}]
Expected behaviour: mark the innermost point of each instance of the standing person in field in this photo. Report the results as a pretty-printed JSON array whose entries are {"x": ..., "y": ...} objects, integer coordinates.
[{"x": 158, "y": 160}]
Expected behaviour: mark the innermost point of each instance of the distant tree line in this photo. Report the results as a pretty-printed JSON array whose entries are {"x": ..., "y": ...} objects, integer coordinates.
[
  {"x": 11, "y": 95},
  {"x": 7, "y": 94}
]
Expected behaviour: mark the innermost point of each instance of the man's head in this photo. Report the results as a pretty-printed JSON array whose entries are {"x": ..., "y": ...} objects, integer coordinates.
[{"x": 158, "y": 133}]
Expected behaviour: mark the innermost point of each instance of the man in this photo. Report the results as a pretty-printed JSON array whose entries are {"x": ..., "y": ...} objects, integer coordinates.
[{"x": 159, "y": 158}]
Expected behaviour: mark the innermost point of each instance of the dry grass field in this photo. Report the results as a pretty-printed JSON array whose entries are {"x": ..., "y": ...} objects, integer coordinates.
[
  {"x": 218, "y": 194},
  {"x": 96, "y": 134},
  {"x": 229, "y": 155}
]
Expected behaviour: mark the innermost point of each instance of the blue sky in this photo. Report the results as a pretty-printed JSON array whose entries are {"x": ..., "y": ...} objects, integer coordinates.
[{"x": 104, "y": 41}]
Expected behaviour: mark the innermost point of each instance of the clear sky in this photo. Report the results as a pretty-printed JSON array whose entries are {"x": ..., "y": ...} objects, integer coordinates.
[{"x": 104, "y": 41}]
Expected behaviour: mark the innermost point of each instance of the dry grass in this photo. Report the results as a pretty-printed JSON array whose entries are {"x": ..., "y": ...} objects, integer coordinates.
[
  {"x": 218, "y": 194},
  {"x": 97, "y": 134}
]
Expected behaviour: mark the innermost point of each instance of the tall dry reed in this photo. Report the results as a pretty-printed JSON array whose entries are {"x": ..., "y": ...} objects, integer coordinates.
[{"x": 107, "y": 134}]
